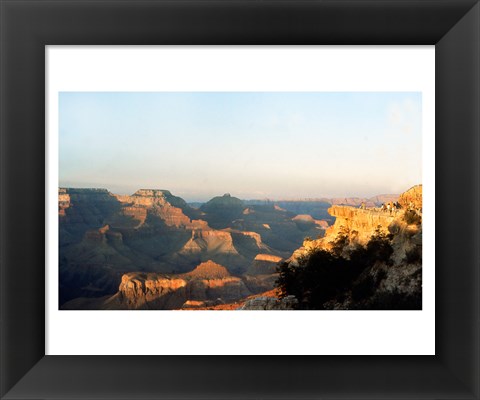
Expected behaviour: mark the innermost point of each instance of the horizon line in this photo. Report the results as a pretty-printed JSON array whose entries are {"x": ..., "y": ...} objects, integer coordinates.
[{"x": 272, "y": 199}]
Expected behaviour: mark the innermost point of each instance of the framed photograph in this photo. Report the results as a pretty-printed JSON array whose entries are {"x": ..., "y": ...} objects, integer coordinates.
[
  {"x": 199, "y": 181},
  {"x": 265, "y": 206}
]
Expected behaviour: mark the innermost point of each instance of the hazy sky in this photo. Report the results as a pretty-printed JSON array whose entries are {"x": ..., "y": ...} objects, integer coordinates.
[{"x": 252, "y": 145}]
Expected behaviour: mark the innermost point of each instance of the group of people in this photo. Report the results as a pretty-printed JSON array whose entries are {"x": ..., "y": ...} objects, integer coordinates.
[{"x": 391, "y": 207}]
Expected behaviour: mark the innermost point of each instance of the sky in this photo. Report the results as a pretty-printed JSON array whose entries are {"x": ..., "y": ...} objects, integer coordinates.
[{"x": 276, "y": 145}]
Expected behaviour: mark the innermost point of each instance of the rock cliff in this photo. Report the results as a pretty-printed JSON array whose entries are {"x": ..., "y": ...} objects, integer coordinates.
[
  {"x": 160, "y": 203},
  {"x": 207, "y": 282},
  {"x": 359, "y": 222},
  {"x": 209, "y": 241},
  {"x": 412, "y": 198},
  {"x": 386, "y": 274}
]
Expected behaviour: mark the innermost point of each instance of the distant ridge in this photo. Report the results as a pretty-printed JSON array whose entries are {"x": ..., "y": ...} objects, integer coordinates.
[{"x": 231, "y": 201}]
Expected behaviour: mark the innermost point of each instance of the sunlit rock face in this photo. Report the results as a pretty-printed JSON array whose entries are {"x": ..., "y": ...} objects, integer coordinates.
[
  {"x": 138, "y": 290},
  {"x": 208, "y": 281},
  {"x": 412, "y": 198},
  {"x": 359, "y": 222},
  {"x": 398, "y": 279},
  {"x": 208, "y": 284}
]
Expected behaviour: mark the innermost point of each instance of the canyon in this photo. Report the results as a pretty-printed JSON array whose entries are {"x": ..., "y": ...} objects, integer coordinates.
[
  {"x": 104, "y": 236},
  {"x": 153, "y": 250}
]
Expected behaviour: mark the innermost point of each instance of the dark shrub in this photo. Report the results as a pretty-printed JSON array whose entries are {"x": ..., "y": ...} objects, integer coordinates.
[
  {"x": 411, "y": 217},
  {"x": 379, "y": 248},
  {"x": 328, "y": 275},
  {"x": 364, "y": 288},
  {"x": 341, "y": 241},
  {"x": 414, "y": 255}
]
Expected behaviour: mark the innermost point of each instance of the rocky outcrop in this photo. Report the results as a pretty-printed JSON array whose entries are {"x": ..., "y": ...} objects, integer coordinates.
[
  {"x": 160, "y": 203},
  {"x": 226, "y": 201},
  {"x": 359, "y": 222},
  {"x": 412, "y": 198},
  {"x": 209, "y": 241},
  {"x": 392, "y": 282},
  {"x": 91, "y": 195},
  {"x": 209, "y": 282},
  {"x": 81, "y": 209},
  {"x": 85, "y": 204},
  {"x": 322, "y": 224},
  {"x": 208, "y": 285},
  {"x": 304, "y": 218},
  {"x": 227, "y": 289},
  {"x": 255, "y": 236},
  {"x": 208, "y": 270},
  {"x": 359, "y": 225},
  {"x": 212, "y": 281},
  {"x": 222, "y": 210},
  {"x": 306, "y": 221},
  {"x": 138, "y": 290},
  {"x": 270, "y": 303},
  {"x": 262, "y": 274}
]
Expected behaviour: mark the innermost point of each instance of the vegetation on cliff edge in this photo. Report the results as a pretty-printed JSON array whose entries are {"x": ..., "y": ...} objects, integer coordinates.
[{"x": 346, "y": 277}]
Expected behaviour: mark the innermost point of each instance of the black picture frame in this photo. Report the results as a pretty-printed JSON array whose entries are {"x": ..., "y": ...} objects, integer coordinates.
[{"x": 453, "y": 26}]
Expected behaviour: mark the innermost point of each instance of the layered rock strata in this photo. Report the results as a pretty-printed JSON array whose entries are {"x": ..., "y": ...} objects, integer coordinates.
[
  {"x": 208, "y": 282},
  {"x": 392, "y": 284}
]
